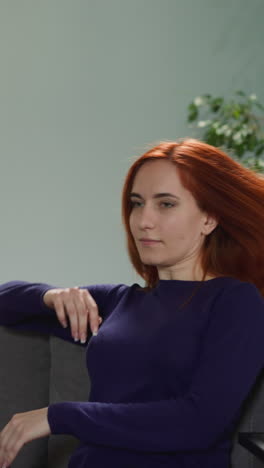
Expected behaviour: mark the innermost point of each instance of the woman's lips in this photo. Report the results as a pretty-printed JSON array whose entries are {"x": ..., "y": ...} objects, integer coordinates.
[{"x": 149, "y": 242}]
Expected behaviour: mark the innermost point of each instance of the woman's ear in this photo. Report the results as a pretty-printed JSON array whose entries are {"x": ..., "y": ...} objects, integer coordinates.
[{"x": 210, "y": 224}]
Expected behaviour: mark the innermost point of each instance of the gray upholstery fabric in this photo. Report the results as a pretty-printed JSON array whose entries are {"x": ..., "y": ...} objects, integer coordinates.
[
  {"x": 24, "y": 386},
  {"x": 69, "y": 381},
  {"x": 51, "y": 370},
  {"x": 251, "y": 420}
]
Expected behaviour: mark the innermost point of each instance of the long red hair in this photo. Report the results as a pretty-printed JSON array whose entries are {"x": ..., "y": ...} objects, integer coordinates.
[{"x": 226, "y": 190}]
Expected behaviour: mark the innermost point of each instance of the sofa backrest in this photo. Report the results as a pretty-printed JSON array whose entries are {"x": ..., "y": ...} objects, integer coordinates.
[{"x": 36, "y": 370}]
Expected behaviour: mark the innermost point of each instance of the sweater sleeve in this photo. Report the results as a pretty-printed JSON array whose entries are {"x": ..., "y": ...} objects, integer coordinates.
[
  {"x": 230, "y": 360},
  {"x": 22, "y": 306}
]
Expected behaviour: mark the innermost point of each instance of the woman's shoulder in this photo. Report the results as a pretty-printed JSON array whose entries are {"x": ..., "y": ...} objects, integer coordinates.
[
  {"x": 229, "y": 286},
  {"x": 240, "y": 300},
  {"x": 238, "y": 285}
]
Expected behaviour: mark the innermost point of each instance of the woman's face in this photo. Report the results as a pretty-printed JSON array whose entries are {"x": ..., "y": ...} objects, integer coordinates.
[{"x": 176, "y": 223}]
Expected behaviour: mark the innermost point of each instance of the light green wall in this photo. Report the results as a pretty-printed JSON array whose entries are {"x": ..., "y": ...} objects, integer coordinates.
[{"x": 84, "y": 87}]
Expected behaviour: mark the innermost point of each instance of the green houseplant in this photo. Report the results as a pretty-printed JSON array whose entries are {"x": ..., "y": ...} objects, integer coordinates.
[{"x": 233, "y": 125}]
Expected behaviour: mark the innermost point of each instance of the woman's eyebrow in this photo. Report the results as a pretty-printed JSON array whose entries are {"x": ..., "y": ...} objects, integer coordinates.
[{"x": 156, "y": 195}]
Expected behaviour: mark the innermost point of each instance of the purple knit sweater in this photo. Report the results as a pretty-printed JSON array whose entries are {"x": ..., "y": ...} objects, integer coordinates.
[{"x": 167, "y": 385}]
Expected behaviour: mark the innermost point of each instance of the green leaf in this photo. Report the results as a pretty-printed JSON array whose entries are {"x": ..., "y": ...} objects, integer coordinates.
[
  {"x": 192, "y": 112},
  {"x": 251, "y": 142},
  {"x": 192, "y": 106},
  {"x": 192, "y": 116},
  {"x": 212, "y": 137},
  {"x": 259, "y": 149},
  {"x": 216, "y": 104},
  {"x": 240, "y": 150},
  {"x": 260, "y": 163},
  {"x": 240, "y": 93},
  {"x": 260, "y": 106},
  {"x": 236, "y": 113},
  {"x": 245, "y": 119}
]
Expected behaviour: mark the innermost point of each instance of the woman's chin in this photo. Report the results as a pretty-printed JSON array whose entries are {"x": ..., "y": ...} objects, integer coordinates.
[{"x": 149, "y": 262}]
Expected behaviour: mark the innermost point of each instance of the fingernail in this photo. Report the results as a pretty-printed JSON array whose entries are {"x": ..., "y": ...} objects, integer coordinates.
[
  {"x": 83, "y": 339},
  {"x": 4, "y": 466},
  {"x": 64, "y": 324},
  {"x": 95, "y": 333},
  {"x": 76, "y": 338}
]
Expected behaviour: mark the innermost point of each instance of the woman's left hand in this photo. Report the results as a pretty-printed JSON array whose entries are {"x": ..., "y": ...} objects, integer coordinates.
[{"x": 22, "y": 428}]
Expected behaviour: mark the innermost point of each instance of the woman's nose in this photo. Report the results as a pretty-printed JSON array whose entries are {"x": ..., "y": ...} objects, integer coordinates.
[{"x": 146, "y": 218}]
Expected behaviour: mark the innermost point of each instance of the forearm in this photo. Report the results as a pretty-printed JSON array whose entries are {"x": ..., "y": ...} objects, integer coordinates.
[{"x": 20, "y": 300}]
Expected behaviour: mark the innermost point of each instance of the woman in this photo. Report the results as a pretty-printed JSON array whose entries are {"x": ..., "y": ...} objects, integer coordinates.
[{"x": 172, "y": 362}]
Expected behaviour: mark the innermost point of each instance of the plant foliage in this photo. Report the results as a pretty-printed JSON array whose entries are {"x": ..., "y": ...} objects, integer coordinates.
[{"x": 232, "y": 125}]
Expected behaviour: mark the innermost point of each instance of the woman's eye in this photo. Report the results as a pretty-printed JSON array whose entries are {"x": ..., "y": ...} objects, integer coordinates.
[{"x": 134, "y": 203}]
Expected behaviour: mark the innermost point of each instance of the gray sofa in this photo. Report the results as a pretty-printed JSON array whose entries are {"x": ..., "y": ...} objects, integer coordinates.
[{"x": 36, "y": 370}]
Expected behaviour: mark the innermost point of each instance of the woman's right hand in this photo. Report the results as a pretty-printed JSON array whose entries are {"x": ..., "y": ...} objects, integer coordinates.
[{"x": 80, "y": 308}]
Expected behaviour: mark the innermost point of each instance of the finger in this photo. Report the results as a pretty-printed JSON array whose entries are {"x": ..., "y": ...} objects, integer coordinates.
[
  {"x": 82, "y": 314},
  {"x": 12, "y": 451},
  {"x": 93, "y": 311},
  {"x": 11, "y": 441},
  {"x": 73, "y": 317},
  {"x": 60, "y": 312},
  {"x": 4, "y": 437}
]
